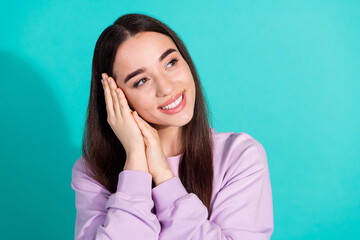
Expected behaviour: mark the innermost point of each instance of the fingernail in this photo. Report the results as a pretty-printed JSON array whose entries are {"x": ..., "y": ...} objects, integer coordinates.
[
  {"x": 103, "y": 75},
  {"x": 109, "y": 80}
]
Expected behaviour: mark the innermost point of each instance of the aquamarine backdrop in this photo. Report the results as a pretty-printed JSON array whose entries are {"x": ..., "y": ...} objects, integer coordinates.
[{"x": 285, "y": 72}]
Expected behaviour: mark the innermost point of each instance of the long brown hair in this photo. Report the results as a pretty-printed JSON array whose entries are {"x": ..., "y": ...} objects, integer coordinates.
[{"x": 104, "y": 154}]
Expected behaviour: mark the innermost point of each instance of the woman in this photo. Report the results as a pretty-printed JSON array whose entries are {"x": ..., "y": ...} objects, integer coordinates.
[{"x": 152, "y": 168}]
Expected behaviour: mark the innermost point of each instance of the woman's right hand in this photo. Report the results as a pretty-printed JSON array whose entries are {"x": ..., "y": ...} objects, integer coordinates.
[{"x": 122, "y": 122}]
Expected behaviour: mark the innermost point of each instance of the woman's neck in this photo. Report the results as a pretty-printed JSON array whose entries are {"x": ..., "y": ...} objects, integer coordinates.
[{"x": 170, "y": 138}]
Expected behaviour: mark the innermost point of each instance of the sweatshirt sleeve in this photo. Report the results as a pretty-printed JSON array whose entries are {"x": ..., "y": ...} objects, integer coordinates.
[
  {"x": 125, "y": 214},
  {"x": 241, "y": 209}
]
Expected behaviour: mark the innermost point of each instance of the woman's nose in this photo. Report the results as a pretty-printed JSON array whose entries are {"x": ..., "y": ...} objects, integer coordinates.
[{"x": 164, "y": 87}]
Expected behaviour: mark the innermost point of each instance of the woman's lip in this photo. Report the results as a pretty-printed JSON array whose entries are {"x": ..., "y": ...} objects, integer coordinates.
[
  {"x": 177, "y": 109},
  {"x": 171, "y": 100}
]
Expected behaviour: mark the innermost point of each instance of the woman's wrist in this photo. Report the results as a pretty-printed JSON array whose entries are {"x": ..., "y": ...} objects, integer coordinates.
[
  {"x": 136, "y": 161},
  {"x": 135, "y": 155},
  {"x": 164, "y": 176}
]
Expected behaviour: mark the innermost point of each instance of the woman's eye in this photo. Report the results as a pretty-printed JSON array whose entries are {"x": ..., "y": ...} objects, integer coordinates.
[
  {"x": 137, "y": 83},
  {"x": 173, "y": 61}
]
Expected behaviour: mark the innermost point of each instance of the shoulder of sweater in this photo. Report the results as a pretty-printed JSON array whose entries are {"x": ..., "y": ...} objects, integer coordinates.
[
  {"x": 238, "y": 148},
  {"x": 80, "y": 167},
  {"x": 82, "y": 178}
]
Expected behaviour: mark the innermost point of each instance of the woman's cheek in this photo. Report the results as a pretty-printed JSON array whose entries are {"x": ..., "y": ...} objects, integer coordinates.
[
  {"x": 141, "y": 102},
  {"x": 132, "y": 104}
]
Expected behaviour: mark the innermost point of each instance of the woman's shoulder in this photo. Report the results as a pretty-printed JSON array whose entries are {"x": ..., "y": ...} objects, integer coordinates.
[
  {"x": 80, "y": 167},
  {"x": 83, "y": 179},
  {"x": 231, "y": 138},
  {"x": 238, "y": 148}
]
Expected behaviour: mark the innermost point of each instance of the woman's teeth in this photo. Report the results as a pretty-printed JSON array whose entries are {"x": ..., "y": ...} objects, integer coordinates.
[{"x": 174, "y": 104}]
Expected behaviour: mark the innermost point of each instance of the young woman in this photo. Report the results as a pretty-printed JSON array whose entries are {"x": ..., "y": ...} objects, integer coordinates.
[{"x": 152, "y": 167}]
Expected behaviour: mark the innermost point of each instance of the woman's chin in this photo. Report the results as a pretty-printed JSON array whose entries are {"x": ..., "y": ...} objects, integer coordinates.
[{"x": 163, "y": 125}]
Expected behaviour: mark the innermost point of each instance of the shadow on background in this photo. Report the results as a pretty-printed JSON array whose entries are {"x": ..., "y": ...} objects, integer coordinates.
[{"x": 35, "y": 153}]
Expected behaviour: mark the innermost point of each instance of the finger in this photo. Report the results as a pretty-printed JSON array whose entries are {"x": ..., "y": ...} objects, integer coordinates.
[
  {"x": 144, "y": 129},
  {"x": 123, "y": 101},
  {"x": 144, "y": 123},
  {"x": 138, "y": 121},
  {"x": 108, "y": 98},
  {"x": 115, "y": 99}
]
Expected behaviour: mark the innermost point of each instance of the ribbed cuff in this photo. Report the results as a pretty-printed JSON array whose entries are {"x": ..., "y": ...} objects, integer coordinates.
[
  {"x": 135, "y": 183},
  {"x": 166, "y": 193}
]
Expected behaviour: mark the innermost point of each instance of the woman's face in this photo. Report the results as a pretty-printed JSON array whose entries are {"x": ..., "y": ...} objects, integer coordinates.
[{"x": 165, "y": 77}]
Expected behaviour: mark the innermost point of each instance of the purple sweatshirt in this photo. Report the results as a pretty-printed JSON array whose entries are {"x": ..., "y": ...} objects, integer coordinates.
[{"x": 241, "y": 205}]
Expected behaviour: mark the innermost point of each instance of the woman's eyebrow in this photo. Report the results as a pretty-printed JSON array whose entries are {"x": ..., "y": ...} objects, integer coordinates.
[{"x": 143, "y": 69}]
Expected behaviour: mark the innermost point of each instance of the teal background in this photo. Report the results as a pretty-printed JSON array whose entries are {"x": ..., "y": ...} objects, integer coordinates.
[{"x": 285, "y": 72}]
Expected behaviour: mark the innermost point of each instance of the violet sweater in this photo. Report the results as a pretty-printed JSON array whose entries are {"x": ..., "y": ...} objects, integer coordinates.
[{"x": 241, "y": 205}]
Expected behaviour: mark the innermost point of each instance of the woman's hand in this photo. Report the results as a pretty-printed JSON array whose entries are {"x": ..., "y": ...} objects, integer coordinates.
[
  {"x": 124, "y": 126},
  {"x": 157, "y": 164}
]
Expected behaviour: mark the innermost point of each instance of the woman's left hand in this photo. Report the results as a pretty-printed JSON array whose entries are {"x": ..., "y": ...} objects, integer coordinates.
[{"x": 157, "y": 164}]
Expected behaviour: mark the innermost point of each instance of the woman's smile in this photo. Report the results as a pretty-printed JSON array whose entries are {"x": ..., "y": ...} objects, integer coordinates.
[{"x": 176, "y": 106}]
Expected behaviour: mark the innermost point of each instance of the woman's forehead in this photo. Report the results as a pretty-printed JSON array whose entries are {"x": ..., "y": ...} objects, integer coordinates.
[
  {"x": 143, "y": 44},
  {"x": 143, "y": 49}
]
